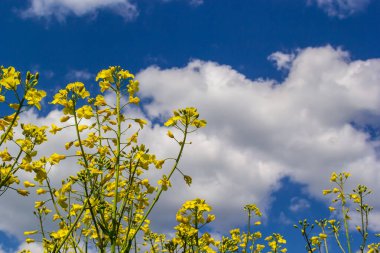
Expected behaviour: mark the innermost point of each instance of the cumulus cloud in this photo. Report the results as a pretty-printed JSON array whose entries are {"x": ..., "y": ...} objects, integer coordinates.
[
  {"x": 258, "y": 132},
  {"x": 62, "y": 8},
  {"x": 341, "y": 8}
]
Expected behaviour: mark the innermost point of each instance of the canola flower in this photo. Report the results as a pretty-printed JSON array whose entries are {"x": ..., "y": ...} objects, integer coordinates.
[
  {"x": 18, "y": 94},
  {"x": 107, "y": 203}
]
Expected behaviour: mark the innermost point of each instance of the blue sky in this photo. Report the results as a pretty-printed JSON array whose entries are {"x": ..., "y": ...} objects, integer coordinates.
[{"x": 225, "y": 57}]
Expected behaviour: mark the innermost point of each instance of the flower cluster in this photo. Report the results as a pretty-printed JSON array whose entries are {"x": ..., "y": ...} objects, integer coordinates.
[{"x": 19, "y": 95}]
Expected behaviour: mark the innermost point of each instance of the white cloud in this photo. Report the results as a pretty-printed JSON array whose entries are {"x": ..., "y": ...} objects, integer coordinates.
[
  {"x": 33, "y": 247},
  {"x": 341, "y": 8},
  {"x": 284, "y": 220},
  {"x": 191, "y": 2},
  {"x": 62, "y": 8},
  {"x": 298, "y": 204},
  {"x": 282, "y": 60},
  {"x": 196, "y": 2},
  {"x": 79, "y": 75},
  {"x": 258, "y": 132}
]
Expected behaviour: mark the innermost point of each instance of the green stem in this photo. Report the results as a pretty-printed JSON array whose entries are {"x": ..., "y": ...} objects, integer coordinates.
[
  {"x": 93, "y": 217},
  {"x": 345, "y": 213},
  {"x": 117, "y": 174},
  {"x": 325, "y": 241},
  {"x": 338, "y": 241},
  {"x": 127, "y": 244},
  {"x": 196, "y": 227},
  {"x": 12, "y": 123},
  {"x": 249, "y": 231},
  {"x": 8, "y": 176},
  {"x": 72, "y": 226}
]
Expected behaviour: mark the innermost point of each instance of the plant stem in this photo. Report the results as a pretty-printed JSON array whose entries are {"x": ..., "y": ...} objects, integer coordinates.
[
  {"x": 127, "y": 244},
  {"x": 117, "y": 174}
]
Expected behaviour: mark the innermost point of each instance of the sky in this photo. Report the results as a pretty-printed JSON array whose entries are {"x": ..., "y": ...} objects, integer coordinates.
[{"x": 290, "y": 90}]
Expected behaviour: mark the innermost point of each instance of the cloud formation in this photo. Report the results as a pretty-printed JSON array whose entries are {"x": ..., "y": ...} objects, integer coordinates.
[
  {"x": 79, "y": 75},
  {"x": 282, "y": 60},
  {"x": 258, "y": 131},
  {"x": 341, "y": 8},
  {"x": 62, "y": 8}
]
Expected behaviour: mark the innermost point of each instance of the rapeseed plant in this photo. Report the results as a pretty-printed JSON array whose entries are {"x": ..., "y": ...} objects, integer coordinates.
[
  {"x": 19, "y": 95},
  {"x": 105, "y": 206}
]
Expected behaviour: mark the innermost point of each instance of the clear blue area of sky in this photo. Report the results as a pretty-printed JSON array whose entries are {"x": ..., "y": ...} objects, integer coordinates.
[{"x": 240, "y": 33}]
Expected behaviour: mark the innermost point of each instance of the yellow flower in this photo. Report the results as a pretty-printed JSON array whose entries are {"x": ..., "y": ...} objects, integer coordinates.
[
  {"x": 10, "y": 78},
  {"x": 78, "y": 88},
  {"x": 106, "y": 75},
  {"x": 55, "y": 129},
  {"x": 14, "y": 106},
  {"x": 355, "y": 198},
  {"x": 100, "y": 101},
  {"x": 38, "y": 204},
  {"x": 5, "y": 156},
  {"x": 96, "y": 171},
  {"x": 60, "y": 98},
  {"x": 56, "y": 217},
  {"x": 29, "y": 240},
  {"x": 141, "y": 122},
  {"x": 34, "y": 97},
  {"x": 56, "y": 158},
  {"x": 333, "y": 177},
  {"x": 85, "y": 112},
  {"x": 59, "y": 234},
  {"x": 133, "y": 87},
  {"x": 64, "y": 119},
  {"x": 325, "y": 192},
  {"x": 31, "y": 232},
  {"x": 170, "y": 134},
  {"x": 134, "y": 100},
  {"x": 68, "y": 145},
  {"x": 159, "y": 163},
  {"x": 124, "y": 74},
  {"x": 41, "y": 191},
  {"x": 28, "y": 184},
  {"x": 23, "y": 192},
  {"x": 104, "y": 86},
  {"x": 76, "y": 207},
  {"x": 164, "y": 182},
  {"x": 82, "y": 127},
  {"x": 260, "y": 247}
]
